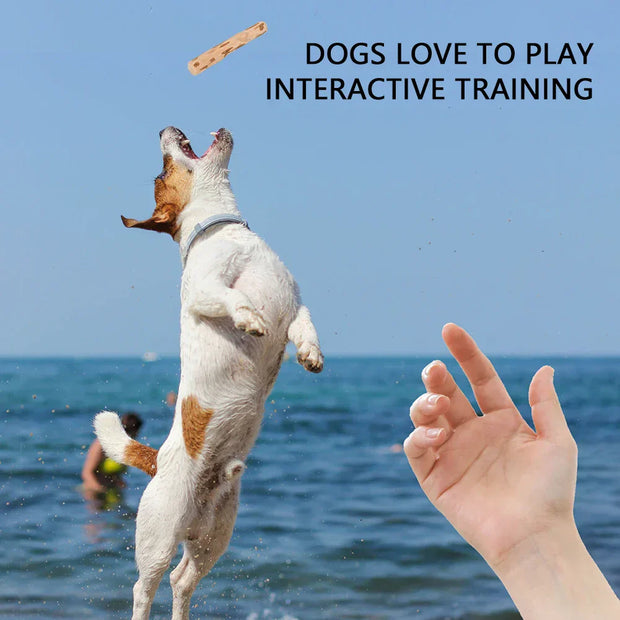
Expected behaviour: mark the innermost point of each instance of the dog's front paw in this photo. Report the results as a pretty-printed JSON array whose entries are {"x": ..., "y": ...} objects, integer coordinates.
[
  {"x": 310, "y": 357},
  {"x": 250, "y": 321}
]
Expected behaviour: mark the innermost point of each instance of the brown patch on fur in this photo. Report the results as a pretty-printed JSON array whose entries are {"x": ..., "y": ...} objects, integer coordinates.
[
  {"x": 195, "y": 420},
  {"x": 141, "y": 456},
  {"x": 173, "y": 189}
]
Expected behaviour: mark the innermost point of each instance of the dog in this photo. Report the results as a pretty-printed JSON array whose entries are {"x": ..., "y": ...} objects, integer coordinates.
[{"x": 240, "y": 307}]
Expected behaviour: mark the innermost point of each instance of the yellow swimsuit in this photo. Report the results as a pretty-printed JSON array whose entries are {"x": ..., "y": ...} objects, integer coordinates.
[{"x": 112, "y": 468}]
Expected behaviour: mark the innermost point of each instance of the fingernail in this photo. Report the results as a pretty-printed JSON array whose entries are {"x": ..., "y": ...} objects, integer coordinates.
[
  {"x": 427, "y": 369},
  {"x": 432, "y": 399},
  {"x": 433, "y": 433}
]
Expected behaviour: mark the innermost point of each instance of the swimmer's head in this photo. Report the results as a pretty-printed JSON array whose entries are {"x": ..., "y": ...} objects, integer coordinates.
[{"x": 132, "y": 423}]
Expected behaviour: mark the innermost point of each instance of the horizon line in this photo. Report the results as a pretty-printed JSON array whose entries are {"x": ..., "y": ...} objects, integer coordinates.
[{"x": 173, "y": 356}]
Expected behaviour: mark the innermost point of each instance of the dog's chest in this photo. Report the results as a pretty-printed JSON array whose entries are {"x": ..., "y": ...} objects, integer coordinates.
[{"x": 222, "y": 364}]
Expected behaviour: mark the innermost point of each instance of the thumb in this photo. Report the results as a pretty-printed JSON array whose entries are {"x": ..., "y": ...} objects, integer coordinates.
[{"x": 547, "y": 414}]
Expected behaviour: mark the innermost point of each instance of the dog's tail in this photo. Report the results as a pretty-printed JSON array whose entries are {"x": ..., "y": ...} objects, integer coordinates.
[{"x": 119, "y": 446}]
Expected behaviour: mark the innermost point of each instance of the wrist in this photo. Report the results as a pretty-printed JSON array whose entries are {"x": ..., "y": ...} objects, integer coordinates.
[
  {"x": 549, "y": 546},
  {"x": 552, "y": 576}
]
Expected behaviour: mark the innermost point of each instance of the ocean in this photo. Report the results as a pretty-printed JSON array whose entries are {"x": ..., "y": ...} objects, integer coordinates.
[{"x": 331, "y": 524}]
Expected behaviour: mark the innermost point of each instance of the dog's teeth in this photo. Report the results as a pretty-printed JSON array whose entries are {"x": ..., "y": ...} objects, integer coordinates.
[
  {"x": 214, "y": 133},
  {"x": 184, "y": 142}
]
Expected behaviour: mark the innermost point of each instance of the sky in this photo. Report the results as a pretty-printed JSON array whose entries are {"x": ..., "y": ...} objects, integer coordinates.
[{"x": 395, "y": 216}]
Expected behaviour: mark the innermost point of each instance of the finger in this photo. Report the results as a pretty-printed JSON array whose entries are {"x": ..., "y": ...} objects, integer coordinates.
[
  {"x": 437, "y": 379},
  {"x": 489, "y": 390},
  {"x": 431, "y": 410},
  {"x": 428, "y": 409},
  {"x": 547, "y": 414},
  {"x": 420, "y": 449}
]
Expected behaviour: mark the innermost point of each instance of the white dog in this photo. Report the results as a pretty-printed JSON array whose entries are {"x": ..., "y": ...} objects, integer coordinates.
[{"x": 239, "y": 308}]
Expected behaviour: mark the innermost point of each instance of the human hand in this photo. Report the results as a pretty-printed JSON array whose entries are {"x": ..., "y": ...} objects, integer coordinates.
[
  {"x": 91, "y": 485},
  {"x": 496, "y": 480},
  {"x": 91, "y": 490}
]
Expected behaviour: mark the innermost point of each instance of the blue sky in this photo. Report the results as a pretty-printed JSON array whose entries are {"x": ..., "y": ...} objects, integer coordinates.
[{"x": 394, "y": 216}]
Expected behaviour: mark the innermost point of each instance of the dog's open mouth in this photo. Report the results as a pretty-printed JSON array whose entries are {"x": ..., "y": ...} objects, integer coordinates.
[
  {"x": 183, "y": 142},
  {"x": 185, "y": 146},
  {"x": 221, "y": 138}
]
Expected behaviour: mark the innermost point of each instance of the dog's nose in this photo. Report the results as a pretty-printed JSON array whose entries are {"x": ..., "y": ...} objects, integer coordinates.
[{"x": 162, "y": 131}]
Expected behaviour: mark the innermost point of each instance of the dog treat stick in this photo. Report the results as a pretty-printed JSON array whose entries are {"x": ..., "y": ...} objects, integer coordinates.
[{"x": 217, "y": 53}]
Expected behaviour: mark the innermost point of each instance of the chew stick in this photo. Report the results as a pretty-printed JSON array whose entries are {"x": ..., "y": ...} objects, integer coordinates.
[{"x": 215, "y": 54}]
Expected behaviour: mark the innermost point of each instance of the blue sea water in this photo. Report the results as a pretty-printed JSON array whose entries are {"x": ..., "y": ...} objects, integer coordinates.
[{"x": 332, "y": 523}]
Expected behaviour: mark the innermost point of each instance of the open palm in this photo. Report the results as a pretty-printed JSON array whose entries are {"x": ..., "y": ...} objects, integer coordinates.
[{"x": 496, "y": 480}]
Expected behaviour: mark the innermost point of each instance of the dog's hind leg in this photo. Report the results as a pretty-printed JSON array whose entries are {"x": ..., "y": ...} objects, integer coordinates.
[
  {"x": 153, "y": 558},
  {"x": 158, "y": 530},
  {"x": 184, "y": 579},
  {"x": 201, "y": 554},
  {"x": 302, "y": 334}
]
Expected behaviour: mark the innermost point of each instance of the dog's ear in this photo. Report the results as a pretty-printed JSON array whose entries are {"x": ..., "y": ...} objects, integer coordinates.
[
  {"x": 172, "y": 192},
  {"x": 164, "y": 219}
]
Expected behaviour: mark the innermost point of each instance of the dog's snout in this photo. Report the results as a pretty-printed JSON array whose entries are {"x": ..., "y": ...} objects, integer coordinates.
[
  {"x": 224, "y": 136},
  {"x": 171, "y": 133}
]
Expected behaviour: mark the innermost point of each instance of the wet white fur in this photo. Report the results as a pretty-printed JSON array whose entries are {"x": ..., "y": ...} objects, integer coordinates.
[{"x": 233, "y": 288}]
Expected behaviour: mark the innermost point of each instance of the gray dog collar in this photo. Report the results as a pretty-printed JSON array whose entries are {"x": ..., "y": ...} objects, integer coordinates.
[{"x": 201, "y": 227}]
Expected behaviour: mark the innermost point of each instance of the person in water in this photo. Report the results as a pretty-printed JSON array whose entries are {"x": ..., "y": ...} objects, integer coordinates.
[{"x": 100, "y": 473}]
